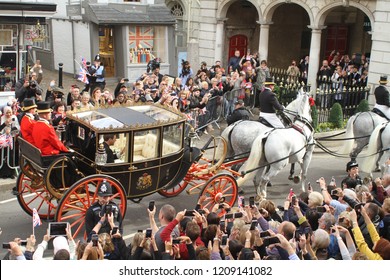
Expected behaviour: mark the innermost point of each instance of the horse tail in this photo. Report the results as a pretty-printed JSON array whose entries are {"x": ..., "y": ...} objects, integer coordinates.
[
  {"x": 371, "y": 155},
  {"x": 349, "y": 134},
  {"x": 253, "y": 160}
]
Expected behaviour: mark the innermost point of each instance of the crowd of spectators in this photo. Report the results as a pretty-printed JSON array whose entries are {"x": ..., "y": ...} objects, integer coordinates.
[{"x": 347, "y": 222}]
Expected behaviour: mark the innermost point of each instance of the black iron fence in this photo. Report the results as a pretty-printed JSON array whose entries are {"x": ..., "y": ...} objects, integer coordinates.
[{"x": 347, "y": 93}]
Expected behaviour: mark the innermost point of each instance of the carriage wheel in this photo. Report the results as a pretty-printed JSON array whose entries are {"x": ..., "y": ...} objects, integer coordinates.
[
  {"x": 33, "y": 194},
  {"x": 220, "y": 188},
  {"x": 176, "y": 190},
  {"x": 60, "y": 175},
  {"x": 79, "y": 197}
]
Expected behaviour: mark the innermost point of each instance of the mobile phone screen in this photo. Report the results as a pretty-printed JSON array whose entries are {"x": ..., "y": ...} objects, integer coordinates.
[
  {"x": 148, "y": 233},
  {"x": 189, "y": 213},
  {"x": 58, "y": 228},
  {"x": 224, "y": 239},
  {"x": 151, "y": 205},
  {"x": 253, "y": 225},
  {"x": 264, "y": 234}
]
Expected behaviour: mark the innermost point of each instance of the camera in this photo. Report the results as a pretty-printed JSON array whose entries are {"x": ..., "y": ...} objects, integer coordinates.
[
  {"x": 148, "y": 233},
  {"x": 6, "y": 246},
  {"x": 114, "y": 230},
  {"x": 224, "y": 240},
  {"x": 108, "y": 209},
  {"x": 151, "y": 205},
  {"x": 176, "y": 241}
]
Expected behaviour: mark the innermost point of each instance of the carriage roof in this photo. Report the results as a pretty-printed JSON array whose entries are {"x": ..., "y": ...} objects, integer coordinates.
[{"x": 126, "y": 117}]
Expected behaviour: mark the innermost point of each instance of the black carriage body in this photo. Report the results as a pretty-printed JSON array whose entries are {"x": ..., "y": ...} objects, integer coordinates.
[{"x": 150, "y": 141}]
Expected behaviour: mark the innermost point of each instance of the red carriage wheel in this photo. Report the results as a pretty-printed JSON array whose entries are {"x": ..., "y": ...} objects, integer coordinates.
[
  {"x": 220, "y": 188},
  {"x": 176, "y": 190},
  {"x": 76, "y": 201},
  {"x": 32, "y": 193}
]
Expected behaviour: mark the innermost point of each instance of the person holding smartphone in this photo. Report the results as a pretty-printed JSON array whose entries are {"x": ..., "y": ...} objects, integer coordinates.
[{"x": 96, "y": 219}]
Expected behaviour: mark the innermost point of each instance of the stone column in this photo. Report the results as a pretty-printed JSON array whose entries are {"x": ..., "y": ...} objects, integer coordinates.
[
  {"x": 314, "y": 57},
  {"x": 219, "y": 39},
  {"x": 264, "y": 39}
]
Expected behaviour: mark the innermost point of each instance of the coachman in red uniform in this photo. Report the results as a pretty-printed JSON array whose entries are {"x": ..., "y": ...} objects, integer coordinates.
[
  {"x": 28, "y": 120},
  {"x": 44, "y": 136}
]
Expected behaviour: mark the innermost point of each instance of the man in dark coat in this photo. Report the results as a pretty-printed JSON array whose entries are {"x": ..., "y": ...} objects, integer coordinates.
[
  {"x": 269, "y": 104},
  {"x": 382, "y": 97},
  {"x": 239, "y": 113}
]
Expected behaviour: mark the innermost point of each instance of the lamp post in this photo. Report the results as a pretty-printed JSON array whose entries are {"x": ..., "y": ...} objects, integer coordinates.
[{"x": 60, "y": 66}]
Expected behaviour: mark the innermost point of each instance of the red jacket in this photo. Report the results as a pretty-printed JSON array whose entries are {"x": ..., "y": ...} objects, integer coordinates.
[
  {"x": 46, "y": 139},
  {"x": 166, "y": 236},
  {"x": 26, "y": 128}
]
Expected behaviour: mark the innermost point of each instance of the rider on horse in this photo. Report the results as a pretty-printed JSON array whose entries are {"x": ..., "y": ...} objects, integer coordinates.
[
  {"x": 269, "y": 104},
  {"x": 382, "y": 97}
]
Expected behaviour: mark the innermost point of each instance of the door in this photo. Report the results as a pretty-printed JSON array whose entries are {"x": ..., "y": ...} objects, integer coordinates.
[
  {"x": 238, "y": 42},
  {"x": 336, "y": 39},
  {"x": 106, "y": 49}
]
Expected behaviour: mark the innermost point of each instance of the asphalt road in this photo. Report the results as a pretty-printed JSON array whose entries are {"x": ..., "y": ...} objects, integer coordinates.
[{"x": 16, "y": 223}]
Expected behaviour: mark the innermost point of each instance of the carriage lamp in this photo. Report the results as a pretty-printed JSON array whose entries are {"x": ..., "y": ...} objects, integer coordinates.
[
  {"x": 101, "y": 155},
  {"x": 60, "y": 130},
  {"x": 191, "y": 138}
]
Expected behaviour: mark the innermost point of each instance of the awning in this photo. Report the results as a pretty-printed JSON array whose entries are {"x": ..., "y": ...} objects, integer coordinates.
[
  {"x": 126, "y": 13},
  {"x": 25, "y": 13}
]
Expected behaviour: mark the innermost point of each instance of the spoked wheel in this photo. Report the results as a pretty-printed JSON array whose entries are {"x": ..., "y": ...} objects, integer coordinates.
[
  {"x": 220, "y": 188},
  {"x": 33, "y": 194},
  {"x": 79, "y": 197},
  {"x": 60, "y": 175},
  {"x": 176, "y": 190}
]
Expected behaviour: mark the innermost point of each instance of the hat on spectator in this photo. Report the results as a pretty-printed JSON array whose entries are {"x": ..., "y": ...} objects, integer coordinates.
[
  {"x": 383, "y": 80},
  {"x": 351, "y": 164},
  {"x": 382, "y": 247},
  {"x": 59, "y": 243},
  {"x": 44, "y": 107},
  {"x": 28, "y": 103},
  {"x": 269, "y": 81},
  {"x": 195, "y": 89},
  {"x": 105, "y": 189},
  {"x": 239, "y": 102}
]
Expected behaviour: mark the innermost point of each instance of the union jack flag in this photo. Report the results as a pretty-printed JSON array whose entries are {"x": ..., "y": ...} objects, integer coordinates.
[
  {"x": 141, "y": 37},
  {"x": 6, "y": 141},
  {"x": 83, "y": 76},
  {"x": 36, "y": 218}
]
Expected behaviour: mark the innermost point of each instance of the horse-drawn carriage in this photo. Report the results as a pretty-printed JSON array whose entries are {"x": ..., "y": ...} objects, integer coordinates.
[{"x": 155, "y": 153}]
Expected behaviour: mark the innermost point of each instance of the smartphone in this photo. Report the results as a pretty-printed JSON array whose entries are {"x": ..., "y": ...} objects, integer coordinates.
[
  {"x": 220, "y": 206},
  {"x": 189, "y": 213},
  {"x": 58, "y": 228},
  {"x": 293, "y": 200},
  {"x": 270, "y": 240},
  {"x": 140, "y": 230},
  {"x": 201, "y": 211},
  {"x": 114, "y": 230},
  {"x": 251, "y": 201},
  {"x": 23, "y": 242},
  {"x": 176, "y": 241},
  {"x": 222, "y": 225},
  {"x": 229, "y": 216},
  {"x": 148, "y": 233},
  {"x": 321, "y": 209},
  {"x": 6, "y": 246},
  {"x": 151, "y": 205},
  {"x": 237, "y": 215},
  {"x": 95, "y": 240},
  {"x": 224, "y": 240},
  {"x": 126, "y": 80},
  {"x": 108, "y": 209},
  {"x": 253, "y": 225},
  {"x": 264, "y": 234},
  {"x": 297, "y": 235}
]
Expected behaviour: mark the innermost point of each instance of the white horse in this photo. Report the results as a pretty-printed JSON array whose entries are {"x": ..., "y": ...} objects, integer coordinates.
[
  {"x": 379, "y": 143},
  {"x": 241, "y": 135},
  {"x": 278, "y": 147},
  {"x": 358, "y": 126}
]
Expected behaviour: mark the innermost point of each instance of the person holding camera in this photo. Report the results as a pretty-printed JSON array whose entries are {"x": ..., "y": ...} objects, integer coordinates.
[
  {"x": 27, "y": 88},
  {"x": 324, "y": 75},
  {"x": 185, "y": 72},
  {"x": 104, "y": 214}
]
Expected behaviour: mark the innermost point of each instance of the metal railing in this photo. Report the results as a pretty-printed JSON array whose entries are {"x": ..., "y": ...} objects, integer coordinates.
[{"x": 10, "y": 156}]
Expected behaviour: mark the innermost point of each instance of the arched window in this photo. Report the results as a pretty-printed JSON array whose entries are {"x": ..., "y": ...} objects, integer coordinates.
[{"x": 177, "y": 10}]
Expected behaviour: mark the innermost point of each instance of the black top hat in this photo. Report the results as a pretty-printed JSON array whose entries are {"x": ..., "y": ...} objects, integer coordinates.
[
  {"x": 351, "y": 164},
  {"x": 105, "y": 189},
  {"x": 43, "y": 107},
  {"x": 269, "y": 81},
  {"x": 97, "y": 58},
  {"x": 28, "y": 103},
  {"x": 383, "y": 80}
]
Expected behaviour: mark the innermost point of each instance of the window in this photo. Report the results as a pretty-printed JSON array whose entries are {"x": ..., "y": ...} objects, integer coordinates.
[
  {"x": 177, "y": 10},
  {"x": 120, "y": 148},
  {"x": 145, "y": 145},
  {"x": 172, "y": 139},
  {"x": 147, "y": 43}
]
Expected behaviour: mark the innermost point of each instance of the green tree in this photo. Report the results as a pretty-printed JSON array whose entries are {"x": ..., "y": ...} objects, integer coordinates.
[
  {"x": 363, "y": 106},
  {"x": 336, "y": 116},
  {"x": 314, "y": 116}
]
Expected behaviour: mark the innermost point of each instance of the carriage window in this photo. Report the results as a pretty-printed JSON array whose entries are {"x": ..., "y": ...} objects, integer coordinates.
[
  {"x": 145, "y": 145},
  {"x": 120, "y": 148},
  {"x": 81, "y": 133},
  {"x": 172, "y": 139}
]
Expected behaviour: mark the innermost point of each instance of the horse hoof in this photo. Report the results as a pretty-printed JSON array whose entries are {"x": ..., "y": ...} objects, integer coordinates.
[
  {"x": 378, "y": 169},
  {"x": 291, "y": 177},
  {"x": 296, "y": 179},
  {"x": 269, "y": 184}
]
